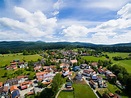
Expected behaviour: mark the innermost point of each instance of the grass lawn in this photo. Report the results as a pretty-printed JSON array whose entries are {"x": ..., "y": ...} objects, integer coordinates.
[
  {"x": 2, "y": 72},
  {"x": 7, "y": 58},
  {"x": 64, "y": 94},
  {"x": 124, "y": 63},
  {"x": 117, "y": 54},
  {"x": 81, "y": 90},
  {"x": 92, "y": 58},
  {"x": 112, "y": 88},
  {"x": 11, "y": 72}
]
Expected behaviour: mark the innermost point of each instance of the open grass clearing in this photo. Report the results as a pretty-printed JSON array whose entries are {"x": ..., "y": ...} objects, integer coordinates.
[
  {"x": 113, "y": 88},
  {"x": 124, "y": 63},
  {"x": 92, "y": 58},
  {"x": 7, "y": 58}
]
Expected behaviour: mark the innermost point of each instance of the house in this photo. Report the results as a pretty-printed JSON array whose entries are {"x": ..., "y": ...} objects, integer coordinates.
[
  {"x": 50, "y": 69},
  {"x": 94, "y": 77},
  {"x": 64, "y": 65},
  {"x": 11, "y": 82},
  {"x": 66, "y": 72},
  {"x": 88, "y": 72},
  {"x": 107, "y": 72},
  {"x": 1, "y": 84},
  {"x": 82, "y": 66},
  {"x": 11, "y": 67},
  {"x": 68, "y": 85},
  {"x": 93, "y": 84},
  {"x": 94, "y": 64},
  {"x": 76, "y": 68},
  {"x": 15, "y": 94},
  {"x": 100, "y": 70},
  {"x": 78, "y": 77},
  {"x": 44, "y": 75},
  {"x": 13, "y": 87},
  {"x": 22, "y": 64},
  {"x": 37, "y": 66},
  {"x": 25, "y": 85},
  {"x": 40, "y": 75},
  {"x": 22, "y": 78},
  {"x": 73, "y": 61},
  {"x": 111, "y": 76}
]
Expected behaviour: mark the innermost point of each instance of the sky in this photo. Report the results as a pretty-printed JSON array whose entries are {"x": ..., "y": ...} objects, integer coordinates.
[{"x": 89, "y": 21}]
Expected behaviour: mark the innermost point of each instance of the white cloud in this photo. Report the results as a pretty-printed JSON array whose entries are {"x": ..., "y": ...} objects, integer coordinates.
[
  {"x": 112, "y": 31},
  {"x": 105, "y": 4},
  {"x": 37, "y": 20},
  {"x": 125, "y": 12},
  {"x": 75, "y": 31},
  {"x": 34, "y": 24}
]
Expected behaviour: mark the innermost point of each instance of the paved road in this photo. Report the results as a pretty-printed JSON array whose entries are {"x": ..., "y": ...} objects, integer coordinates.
[{"x": 60, "y": 90}]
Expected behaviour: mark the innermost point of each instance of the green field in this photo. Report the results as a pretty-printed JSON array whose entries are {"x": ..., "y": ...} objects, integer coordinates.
[
  {"x": 112, "y": 88},
  {"x": 117, "y": 54},
  {"x": 124, "y": 63},
  {"x": 92, "y": 58},
  {"x": 80, "y": 91},
  {"x": 7, "y": 58}
]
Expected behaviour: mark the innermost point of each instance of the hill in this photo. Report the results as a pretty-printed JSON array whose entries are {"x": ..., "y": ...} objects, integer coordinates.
[{"x": 18, "y": 46}]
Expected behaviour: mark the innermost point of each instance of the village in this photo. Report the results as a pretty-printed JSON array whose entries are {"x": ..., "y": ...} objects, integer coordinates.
[{"x": 66, "y": 62}]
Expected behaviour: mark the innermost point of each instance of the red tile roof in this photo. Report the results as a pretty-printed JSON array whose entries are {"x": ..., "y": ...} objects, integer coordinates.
[
  {"x": 1, "y": 84},
  {"x": 12, "y": 88}
]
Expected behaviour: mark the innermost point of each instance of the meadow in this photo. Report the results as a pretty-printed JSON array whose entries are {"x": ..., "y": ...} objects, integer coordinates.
[
  {"x": 7, "y": 58},
  {"x": 93, "y": 58},
  {"x": 124, "y": 63}
]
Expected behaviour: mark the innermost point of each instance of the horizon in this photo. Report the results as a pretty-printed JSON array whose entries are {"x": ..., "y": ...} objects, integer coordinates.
[
  {"x": 66, "y": 42},
  {"x": 97, "y": 22}
]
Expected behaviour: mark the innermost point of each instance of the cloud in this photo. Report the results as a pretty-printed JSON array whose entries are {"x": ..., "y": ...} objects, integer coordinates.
[
  {"x": 125, "y": 12},
  {"x": 34, "y": 24},
  {"x": 108, "y": 4},
  {"x": 49, "y": 20},
  {"x": 112, "y": 31}
]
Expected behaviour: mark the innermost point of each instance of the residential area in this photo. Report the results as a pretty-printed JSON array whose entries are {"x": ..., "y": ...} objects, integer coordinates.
[{"x": 31, "y": 78}]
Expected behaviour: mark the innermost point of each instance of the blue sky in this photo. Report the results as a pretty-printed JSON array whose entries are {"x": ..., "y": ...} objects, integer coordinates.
[{"x": 92, "y": 21}]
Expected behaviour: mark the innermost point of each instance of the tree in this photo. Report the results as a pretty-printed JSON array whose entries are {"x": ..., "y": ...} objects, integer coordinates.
[
  {"x": 57, "y": 82},
  {"x": 5, "y": 74},
  {"x": 41, "y": 85},
  {"x": 128, "y": 86}
]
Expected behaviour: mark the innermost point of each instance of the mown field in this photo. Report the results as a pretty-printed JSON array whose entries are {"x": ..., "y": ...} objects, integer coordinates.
[
  {"x": 80, "y": 91},
  {"x": 113, "y": 88},
  {"x": 124, "y": 63},
  {"x": 92, "y": 58},
  {"x": 7, "y": 58}
]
